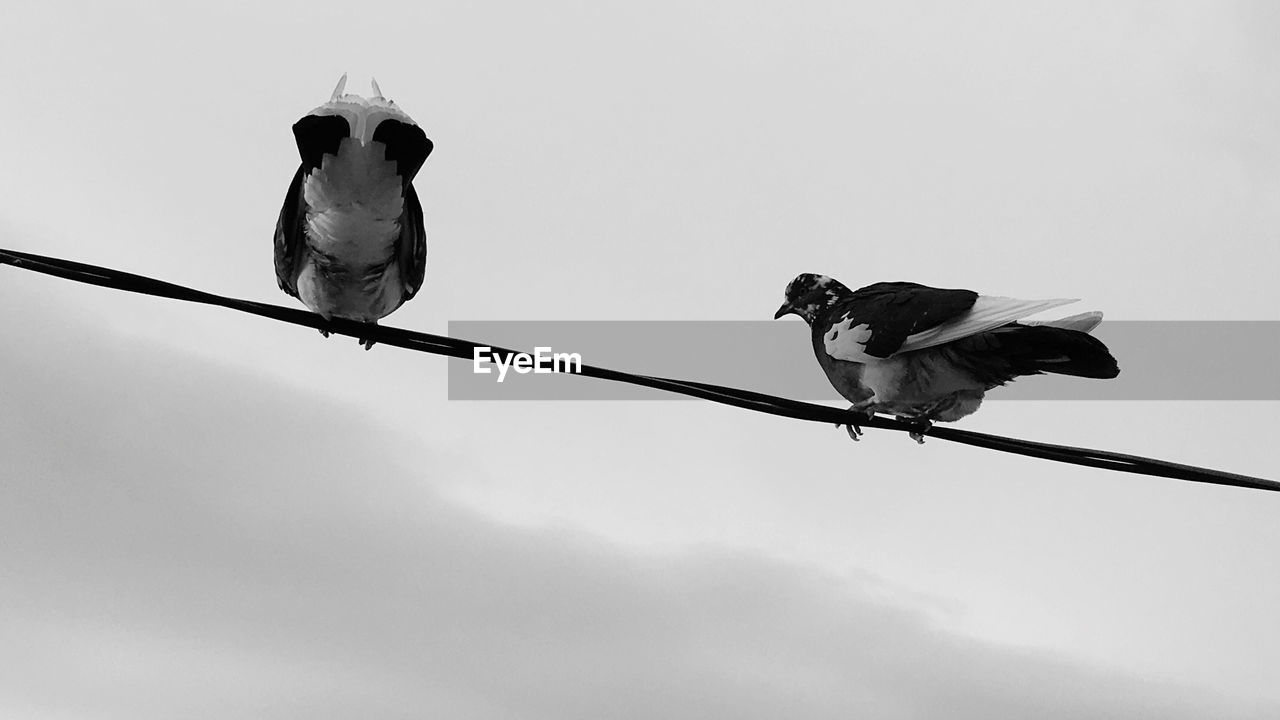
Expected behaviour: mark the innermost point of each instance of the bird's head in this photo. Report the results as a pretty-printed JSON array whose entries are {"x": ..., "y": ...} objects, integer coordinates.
[
  {"x": 809, "y": 294},
  {"x": 363, "y": 114}
]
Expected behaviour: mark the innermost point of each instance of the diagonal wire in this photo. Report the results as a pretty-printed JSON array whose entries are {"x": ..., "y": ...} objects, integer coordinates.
[{"x": 747, "y": 399}]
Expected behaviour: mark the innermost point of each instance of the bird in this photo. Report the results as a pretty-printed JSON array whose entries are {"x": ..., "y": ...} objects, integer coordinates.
[
  {"x": 350, "y": 240},
  {"x": 926, "y": 354}
]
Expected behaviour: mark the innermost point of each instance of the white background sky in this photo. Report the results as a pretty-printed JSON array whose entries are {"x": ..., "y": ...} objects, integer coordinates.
[{"x": 211, "y": 515}]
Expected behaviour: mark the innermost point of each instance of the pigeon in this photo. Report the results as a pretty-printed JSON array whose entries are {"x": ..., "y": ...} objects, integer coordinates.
[
  {"x": 350, "y": 241},
  {"x": 926, "y": 354}
]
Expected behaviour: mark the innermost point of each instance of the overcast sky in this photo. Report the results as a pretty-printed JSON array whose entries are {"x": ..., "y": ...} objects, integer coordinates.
[{"x": 204, "y": 514}]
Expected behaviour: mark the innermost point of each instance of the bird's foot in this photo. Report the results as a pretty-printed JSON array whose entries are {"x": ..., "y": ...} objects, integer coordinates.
[
  {"x": 855, "y": 430},
  {"x": 324, "y": 329},
  {"x": 366, "y": 342},
  {"x": 922, "y": 423}
]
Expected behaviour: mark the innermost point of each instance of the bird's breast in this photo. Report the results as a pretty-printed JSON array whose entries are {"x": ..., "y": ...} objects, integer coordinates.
[
  {"x": 917, "y": 377},
  {"x": 332, "y": 291},
  {"x": 845, "y": 376}
]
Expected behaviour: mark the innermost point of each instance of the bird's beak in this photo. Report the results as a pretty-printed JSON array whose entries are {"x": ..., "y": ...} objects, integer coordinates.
[{"x": 786, "y": 309}]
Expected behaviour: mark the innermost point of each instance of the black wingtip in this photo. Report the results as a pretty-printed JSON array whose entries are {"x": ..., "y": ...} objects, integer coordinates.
[
  {"x": 407, "y": 146},
  {"x": 318, "y": 135}
]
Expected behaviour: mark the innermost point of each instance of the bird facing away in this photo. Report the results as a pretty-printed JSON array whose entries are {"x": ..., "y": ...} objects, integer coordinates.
[
  {"x": 929, "y": 354},
  {"x": 350, "y": 241}
]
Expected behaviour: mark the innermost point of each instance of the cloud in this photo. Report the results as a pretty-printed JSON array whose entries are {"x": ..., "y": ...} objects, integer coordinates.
[{"x": 180, "y": 539}]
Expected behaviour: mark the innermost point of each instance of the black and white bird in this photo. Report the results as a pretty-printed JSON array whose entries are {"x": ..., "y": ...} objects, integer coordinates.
[
  {"x": 350, "y": 242},
  {"x": 928, "y": 354}
]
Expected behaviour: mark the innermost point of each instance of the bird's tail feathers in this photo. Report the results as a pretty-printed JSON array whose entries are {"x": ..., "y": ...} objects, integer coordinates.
[{"x": 1045, "y": 348}]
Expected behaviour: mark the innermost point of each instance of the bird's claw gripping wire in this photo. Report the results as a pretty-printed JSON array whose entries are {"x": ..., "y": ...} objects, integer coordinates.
[
  {"x": 366, "y": 343},
  {"x": 855, "y": 431},
  {"x": 923, "y": 426}
]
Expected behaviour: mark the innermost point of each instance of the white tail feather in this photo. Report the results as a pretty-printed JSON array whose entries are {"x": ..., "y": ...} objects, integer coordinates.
[{"x": 377, "y": 91}]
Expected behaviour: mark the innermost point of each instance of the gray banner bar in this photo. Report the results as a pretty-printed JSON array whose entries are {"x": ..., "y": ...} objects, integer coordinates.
[{"x": 1159, "y": 360}]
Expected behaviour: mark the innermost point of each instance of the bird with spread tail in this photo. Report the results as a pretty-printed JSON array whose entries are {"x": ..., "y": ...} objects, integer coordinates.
[
  {"x": 928, "y": 354},
  {"x": 350, "y": 241}
]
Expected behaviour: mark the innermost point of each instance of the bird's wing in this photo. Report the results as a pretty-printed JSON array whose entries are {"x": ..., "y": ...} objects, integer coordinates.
[
  {"x": 885, "y": 319},
  {"x": 291, "y": 234},
  {"x": 987, "y": 313},
  {"x": 407, "y": 146},
  {"x": 411, "y": 248},
  {"x": 1084, "y": 322},
  {"x": 319, "y": 135},
  {"x": 875, "y": 321},
  {"x": 316, "y": 135}
]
